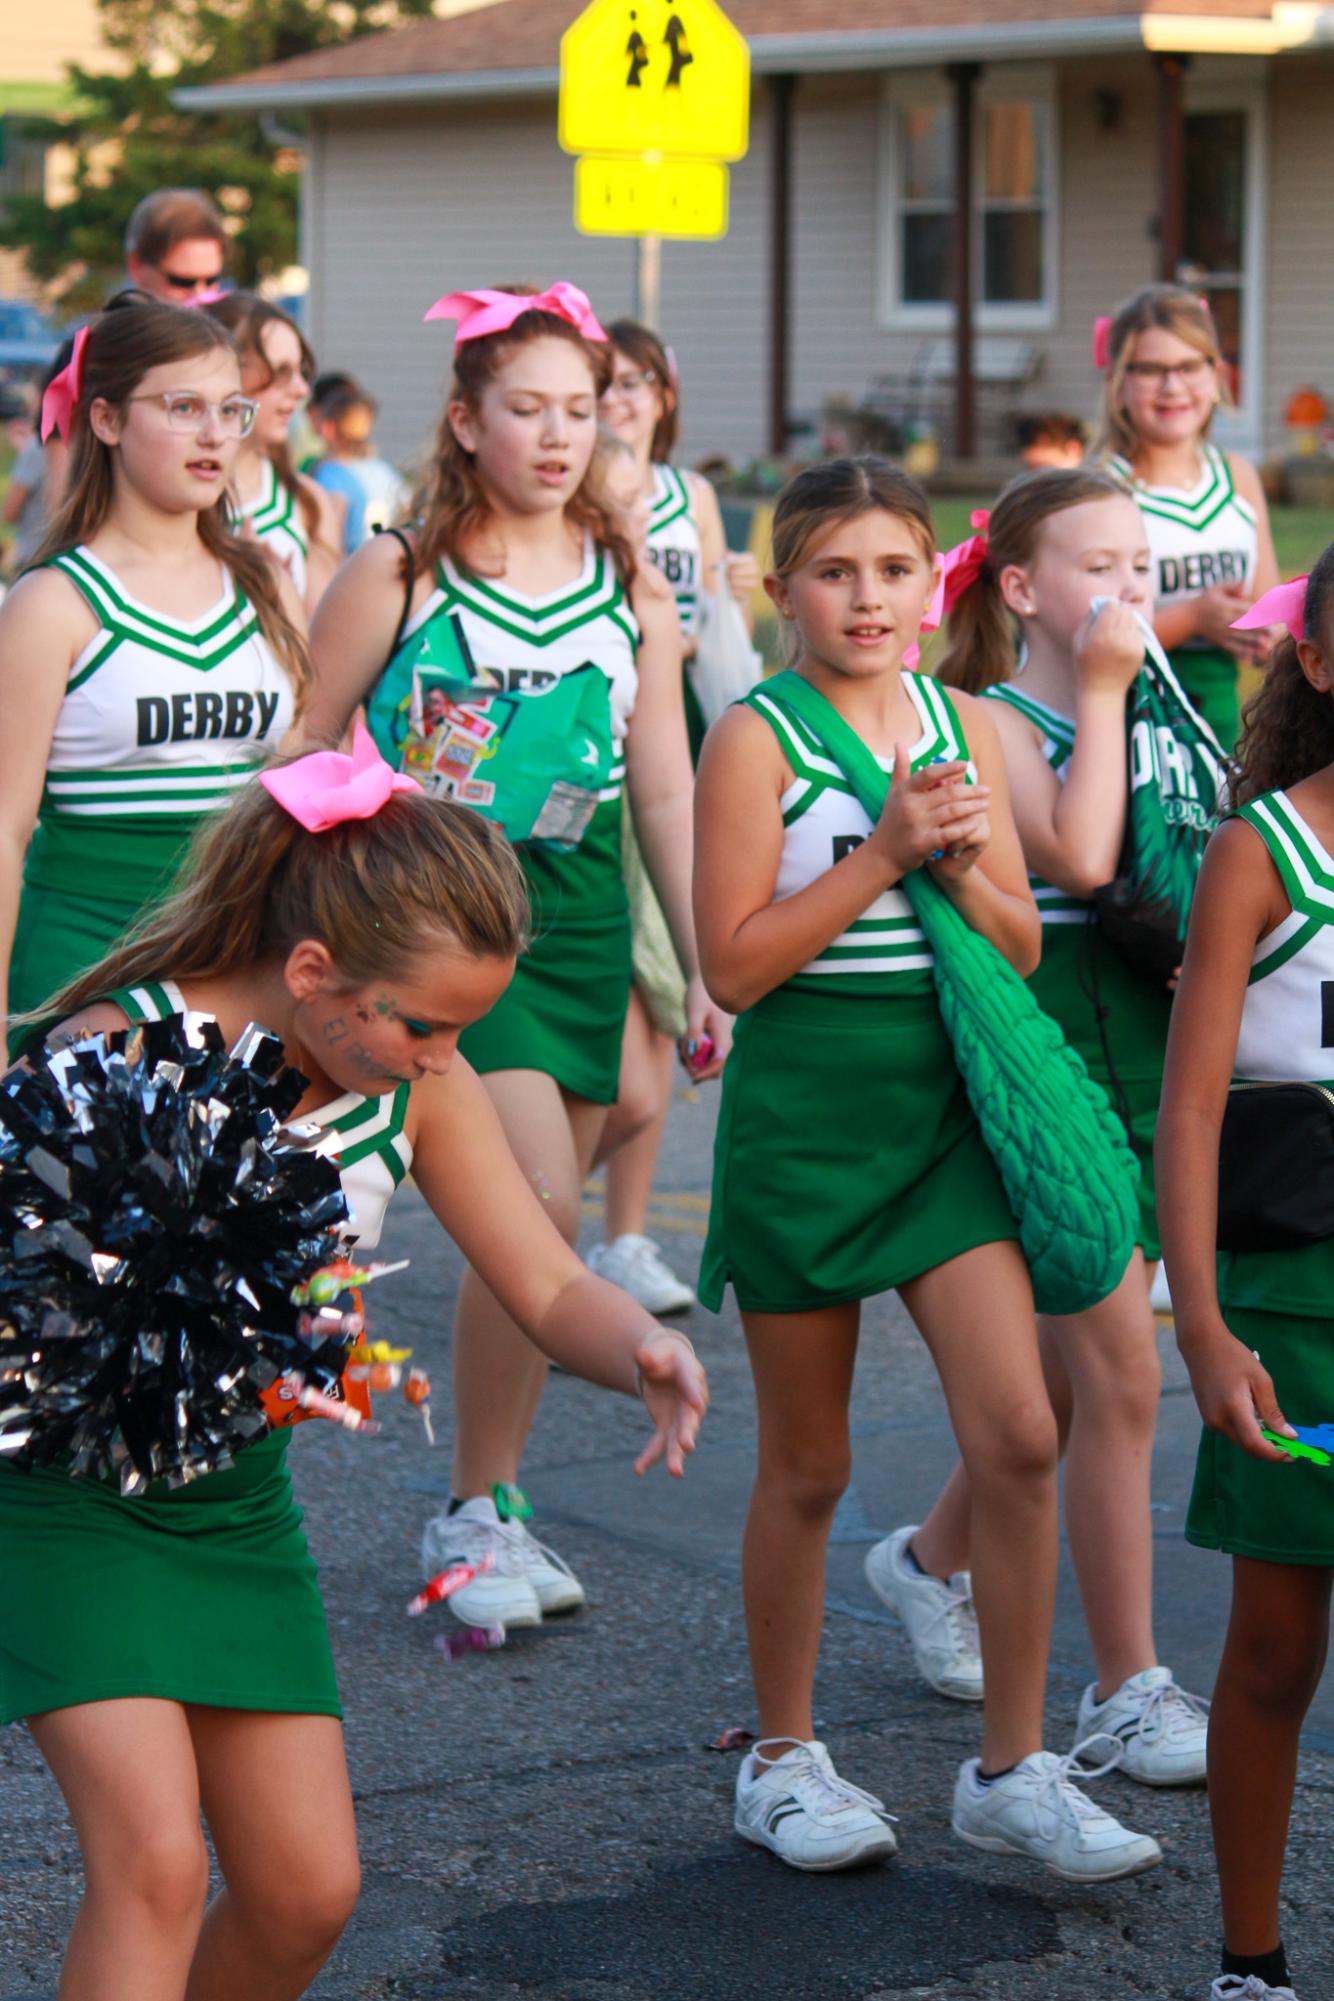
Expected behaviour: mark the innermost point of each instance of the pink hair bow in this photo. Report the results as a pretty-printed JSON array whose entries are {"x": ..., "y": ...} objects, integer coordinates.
[
  {"x": 326, "y": 787},
  {"x": 488, "y": 312},
  {"x": 63, "y": 392},
  {"x": 208, "y": 297},
  {"x": 1284, "y": 605},
  {"x": 1102, "y": 342},
  {"x": 955, "y": 571}
]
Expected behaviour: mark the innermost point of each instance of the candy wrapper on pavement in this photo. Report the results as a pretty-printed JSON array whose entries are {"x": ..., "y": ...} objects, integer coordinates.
[{"x": 155, "y": 1218}]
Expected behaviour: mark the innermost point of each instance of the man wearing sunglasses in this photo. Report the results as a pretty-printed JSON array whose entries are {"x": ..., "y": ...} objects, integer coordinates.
[{"x": 176, "y": 245}]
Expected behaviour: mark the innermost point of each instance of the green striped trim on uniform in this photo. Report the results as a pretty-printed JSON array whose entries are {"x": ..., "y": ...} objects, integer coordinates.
[
  {"x": 1057, "y": 731},
  {"x": 150, "y": 1001},
  {"x": 1192, "y": 510},
  {"x": 1058, "y": 906},
  {"x": 145, "y": 789},
  {"x": 541, "y": 625},
  {"x": 1305, "y": 868},
  {"x": 672, "y": 502},
  {"x": 1294, "y": 942},
  {"x": 942, "y": 733},
  {"x": 369, "y": 1126},
  {"x": 275, "y": 511},
  {"x": 202, "y": 646}
]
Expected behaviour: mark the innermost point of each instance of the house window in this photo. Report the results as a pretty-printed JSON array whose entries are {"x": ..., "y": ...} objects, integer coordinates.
[{"x": 1014, "y": 221}]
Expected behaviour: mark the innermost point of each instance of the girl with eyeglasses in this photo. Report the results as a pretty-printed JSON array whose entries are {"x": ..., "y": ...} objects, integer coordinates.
[
  {"x": 299, "y": 524},
  {"x": 153, "y": 658},
  {"x": 1204, "y": 509}
]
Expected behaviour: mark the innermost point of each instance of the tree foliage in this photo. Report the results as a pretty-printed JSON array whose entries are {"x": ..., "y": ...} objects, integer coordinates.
[{"x": 128, "y": 138}]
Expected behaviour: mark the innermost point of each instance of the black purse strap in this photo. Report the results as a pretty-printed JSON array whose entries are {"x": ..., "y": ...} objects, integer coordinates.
[{"x": 400, "y": 537}]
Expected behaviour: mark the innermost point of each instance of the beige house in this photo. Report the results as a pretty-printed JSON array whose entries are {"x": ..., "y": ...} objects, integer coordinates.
[{"x": 1101, "y": 147}]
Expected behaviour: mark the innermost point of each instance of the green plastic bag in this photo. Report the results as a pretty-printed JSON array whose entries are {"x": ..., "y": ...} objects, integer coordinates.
[
  {"x": 536, "y": 758},
  {"x": 1177, "y": 769},
  {"x": 1058, "y": 1145}
]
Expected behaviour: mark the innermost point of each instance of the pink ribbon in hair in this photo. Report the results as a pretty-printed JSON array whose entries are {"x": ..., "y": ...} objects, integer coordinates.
[
  {"x": 955, "y": 571},
  {"x": 1102, "y": 342},
  {"x": 63, "y": 392},
  {"x": 326, "y": 787},
  {"x": 208, "y": 297},
  {"x": 487, "y": 312},
  {"x": 1284, "y": 605}
]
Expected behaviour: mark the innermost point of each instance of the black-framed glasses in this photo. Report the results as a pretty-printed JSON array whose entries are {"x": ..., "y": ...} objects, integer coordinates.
[
  {"x": 631, "y": 381},
  {"x": 1157, "y": 372},
  {"x": 179, "y": 282},
  {"x": 187, "y": 412}
]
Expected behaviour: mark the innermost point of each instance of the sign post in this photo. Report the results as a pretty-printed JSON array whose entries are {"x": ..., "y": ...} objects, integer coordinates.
[{"x": 655, "y": 102}]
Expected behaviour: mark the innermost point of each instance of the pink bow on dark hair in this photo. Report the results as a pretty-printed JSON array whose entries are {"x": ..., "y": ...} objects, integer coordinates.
[
  {"x": 1284, "y": 605},
  {"x": 325, "y": 788},
  {"x": 63, "y": 392},
  {"x": 488, "y": 312},
  {"x": 955, "y": 571},
  {"x": 1102, "y": 342}
]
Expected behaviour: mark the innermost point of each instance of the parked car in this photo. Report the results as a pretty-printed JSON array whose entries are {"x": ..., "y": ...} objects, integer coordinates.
[{"x": 28, "y": 340}]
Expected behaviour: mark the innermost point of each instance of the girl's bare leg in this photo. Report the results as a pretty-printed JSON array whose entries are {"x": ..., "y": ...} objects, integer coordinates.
[
  {"x": 632, "y": 1137},
  {"x": 127, "y": 1770},
  {"x": 802, "y": 1364},
  {"x": 276, "y": 1796},
  {"x": 1272, "y": 1662},
  {"x": 976, "y": 1316},
  {"x": 498, "y": 1374}
]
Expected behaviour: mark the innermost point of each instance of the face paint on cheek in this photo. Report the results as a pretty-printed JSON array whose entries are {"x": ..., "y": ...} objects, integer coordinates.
[{"x": 336, "y": 1031}]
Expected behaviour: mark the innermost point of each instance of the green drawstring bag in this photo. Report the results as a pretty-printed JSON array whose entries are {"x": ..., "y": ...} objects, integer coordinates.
[
  {"x": 1058, "y": 1145},
  {"x": 536, "y": 758}
]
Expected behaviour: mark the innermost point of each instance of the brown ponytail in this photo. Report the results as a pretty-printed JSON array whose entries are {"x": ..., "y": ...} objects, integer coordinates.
[
  {"x": 374, "y": 891},
  {"x": 982, "y": 630},
  {"x": 1288, "y": 726},
  {"x": 136, "y": 334}
]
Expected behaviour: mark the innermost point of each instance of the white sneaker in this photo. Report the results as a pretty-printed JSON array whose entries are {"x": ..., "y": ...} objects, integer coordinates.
[
  {"x": 801, "y": 1809},
  {"x": 1231, "y": 1987},
  {"x": 506, "y": 1596},
  {"x": 1036, "y": 1810},
  {"x": 940, "y": 1618},
  {"x": 1162, "y": 1730},
  {"x": 639, "y": 1268},
  {"x": 1160, "y": 1293},
  {"x": 557, "y": 1587}
]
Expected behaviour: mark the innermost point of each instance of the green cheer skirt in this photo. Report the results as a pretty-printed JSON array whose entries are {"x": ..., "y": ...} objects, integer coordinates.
[
  {"x": 848, "y": 1159},
  {"x": 1252, "y": 1507},
  {"x": 1118, "y": 1023},
  {"x": 205, "y": 1593},
  {"x": 1209, "y": 677},
  {"x": 563, "y": 1013},
  {"x": 86, "y": 883}
]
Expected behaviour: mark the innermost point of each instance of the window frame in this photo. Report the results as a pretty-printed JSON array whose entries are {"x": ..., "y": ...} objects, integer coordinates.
[{"x": 1031, "y": 83}]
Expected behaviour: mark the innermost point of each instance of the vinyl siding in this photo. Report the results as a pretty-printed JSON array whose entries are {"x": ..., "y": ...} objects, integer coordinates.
[{"x": 1299, "y": 284}]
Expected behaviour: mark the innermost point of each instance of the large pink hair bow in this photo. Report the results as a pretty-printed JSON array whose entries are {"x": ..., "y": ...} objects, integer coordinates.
[
  {"x": 326, "y": 787},
  {"x": 955, "y": 571},
  {"x": 488, "y": 312},
  {"x": 63, "y": 392},
  {"x": 1102, "y": 342},
  {"x": 1284, "y": 605}
]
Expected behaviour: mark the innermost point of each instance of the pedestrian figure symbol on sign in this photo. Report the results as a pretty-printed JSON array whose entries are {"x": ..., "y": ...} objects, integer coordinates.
[
  {"x": 637, "y": 50},
  {"x": 675, "y": 38}
]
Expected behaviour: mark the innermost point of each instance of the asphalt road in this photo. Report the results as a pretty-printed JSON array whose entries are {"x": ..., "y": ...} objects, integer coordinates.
[{"x": 544, "y": 1823}]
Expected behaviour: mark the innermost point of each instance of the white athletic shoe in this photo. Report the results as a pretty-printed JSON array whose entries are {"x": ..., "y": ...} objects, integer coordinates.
[
  {"x": 557, "y": 1587},
  {"x": 1162, "y": 1730},
  {"x": 1231, "y": 1987},
  {"x": 940, "y": 1618},
  {"x": 1160, "y": 1293},
  {"x": 639, "y": 1268},
  {"x": 506, "y": 1595},
  {"x": 1037, "y": 1810},
  {"x": 801, "y": 1809}
]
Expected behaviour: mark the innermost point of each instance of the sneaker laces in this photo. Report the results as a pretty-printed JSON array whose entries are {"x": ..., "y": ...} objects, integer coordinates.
[
  {"x": 501, "y": 1540},
  {"x": 958, "y": 1615},
  {"x": 1169, "y": 1711},
  {"x": 813, "y": 1775},
  {"x": 1056, "y": 1792},
  {"x": 527, "y": 1544},
  {"x": 1252, "y": 1989}
]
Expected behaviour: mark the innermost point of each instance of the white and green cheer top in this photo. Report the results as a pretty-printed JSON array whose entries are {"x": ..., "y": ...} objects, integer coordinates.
[
  {"x": 1055, "y": 906},
  {"x": 1287, "y": 1019},
  {"x": 275, "y": 518},
  {"x": 1199, "y": 538},
  {"x": 674, "y": 545},
  {"x": 823, "y": 820},
  {"x": 163, "y": 718},
  {"x": 364, "y": 1137}
]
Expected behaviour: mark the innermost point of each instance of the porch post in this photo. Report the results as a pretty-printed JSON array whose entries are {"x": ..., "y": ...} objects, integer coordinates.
[
  {"x": 964, "y": 77},
  {"x": 781, "y": 91},
  {"x": 1171, "y": 164}
]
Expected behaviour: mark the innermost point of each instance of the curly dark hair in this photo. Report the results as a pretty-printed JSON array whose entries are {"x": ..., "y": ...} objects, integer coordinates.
[{"x": 1288, "y": 726}]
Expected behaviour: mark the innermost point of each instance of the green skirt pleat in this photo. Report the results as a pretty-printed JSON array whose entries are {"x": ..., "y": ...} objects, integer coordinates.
[
  {"x": 1252, "y": 1507},
  {"x": 1083, "y": 982},
  {"x": 205, "y": 1593},
  {"x": 848, "y": 1159}
]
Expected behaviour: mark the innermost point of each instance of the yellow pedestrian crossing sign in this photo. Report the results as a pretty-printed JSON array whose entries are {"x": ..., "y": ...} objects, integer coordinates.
[{"x": 666, "y": 77}]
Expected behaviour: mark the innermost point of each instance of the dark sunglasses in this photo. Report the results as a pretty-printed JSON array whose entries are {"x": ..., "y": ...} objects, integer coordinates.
[{"x": 183, "y": 284}]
